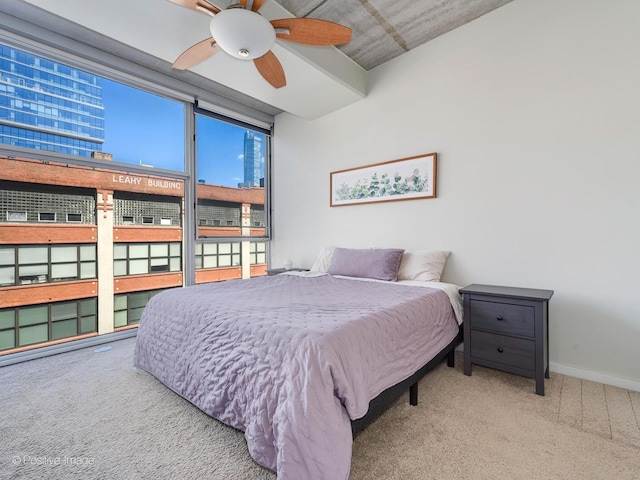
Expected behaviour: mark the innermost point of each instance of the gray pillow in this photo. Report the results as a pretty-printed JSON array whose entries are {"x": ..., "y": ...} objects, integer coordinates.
[{"x": 378, "y": 263}]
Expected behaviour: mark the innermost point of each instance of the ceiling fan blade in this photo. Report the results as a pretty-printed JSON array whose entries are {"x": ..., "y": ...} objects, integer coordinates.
[
  {"x": 256, "y": 4},
  {"x": 312, "y": 31},
  {"x": 196, "y": 54},
  {"x": 198, "y": 5},
  {"x": 271, "y": 69}
]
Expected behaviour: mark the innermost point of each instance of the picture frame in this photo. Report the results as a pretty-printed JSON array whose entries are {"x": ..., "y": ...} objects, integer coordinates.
[{"x": 409, "y": 178}]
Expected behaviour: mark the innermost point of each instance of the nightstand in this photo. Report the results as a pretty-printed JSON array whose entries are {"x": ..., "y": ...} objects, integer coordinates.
[
  {"x": 277, "y": 271},
  {"x": 507, "y": 328}
]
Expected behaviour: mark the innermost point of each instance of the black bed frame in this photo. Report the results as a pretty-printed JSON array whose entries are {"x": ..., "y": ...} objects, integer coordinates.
[{"x": 378, "y": 405}]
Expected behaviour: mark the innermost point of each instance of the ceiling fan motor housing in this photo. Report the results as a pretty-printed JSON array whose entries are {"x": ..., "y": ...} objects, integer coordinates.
[{"x": 242, "y": 33}]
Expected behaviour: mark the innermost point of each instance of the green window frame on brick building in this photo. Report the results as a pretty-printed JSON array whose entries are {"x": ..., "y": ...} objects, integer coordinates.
[
  {"x": 28, "y": 264},
  {"x": 257, "y": 253},
  {"x": 143, "y": 258},
  {"x": 128, "y": 307},
  {"x": 218, "y": 255},
  {"x": 29, "y": 325}
]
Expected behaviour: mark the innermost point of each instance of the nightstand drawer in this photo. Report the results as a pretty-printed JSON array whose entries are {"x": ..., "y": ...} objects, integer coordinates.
[
  {"x": 502, "y": 317},
  {"x": 515, "y": 352}
]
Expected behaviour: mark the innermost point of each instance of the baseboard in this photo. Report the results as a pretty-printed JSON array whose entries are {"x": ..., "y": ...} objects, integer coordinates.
[
  {"x": 595, "y": 377},
  {"x": 19, "y": 357}
]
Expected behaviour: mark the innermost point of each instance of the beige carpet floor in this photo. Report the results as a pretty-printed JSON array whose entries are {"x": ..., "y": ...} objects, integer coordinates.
[{"x": 91, "y": 415}]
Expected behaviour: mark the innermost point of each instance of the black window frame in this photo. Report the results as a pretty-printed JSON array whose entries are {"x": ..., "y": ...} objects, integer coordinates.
[{"x": 268, "y": 134}]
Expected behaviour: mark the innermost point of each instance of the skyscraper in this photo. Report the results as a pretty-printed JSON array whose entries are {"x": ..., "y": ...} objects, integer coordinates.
[
  {"x": 49, "y": 106},
  {"x": 253, "y": 163}
]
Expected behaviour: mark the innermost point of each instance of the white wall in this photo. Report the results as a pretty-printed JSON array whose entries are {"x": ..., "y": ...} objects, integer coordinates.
[{"x": 534, "y": 111}]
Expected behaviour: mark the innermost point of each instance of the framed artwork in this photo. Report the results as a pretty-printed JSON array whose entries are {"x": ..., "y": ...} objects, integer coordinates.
[{"x": 408, "y": 178}]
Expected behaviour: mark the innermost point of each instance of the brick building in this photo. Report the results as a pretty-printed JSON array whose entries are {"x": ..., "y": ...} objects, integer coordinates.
[{"x": 82, "y": 249}]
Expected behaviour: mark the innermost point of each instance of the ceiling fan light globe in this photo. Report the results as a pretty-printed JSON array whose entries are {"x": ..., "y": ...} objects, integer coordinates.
[{"x": 242, "y": 33}]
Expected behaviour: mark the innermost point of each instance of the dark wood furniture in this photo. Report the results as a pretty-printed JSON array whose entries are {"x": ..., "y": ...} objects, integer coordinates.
[
  {"x": 507, "y": 328},
  {"x": 278, "y": 271}
]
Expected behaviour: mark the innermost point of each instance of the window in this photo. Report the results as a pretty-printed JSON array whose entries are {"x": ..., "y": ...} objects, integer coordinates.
[
  {"x": 231, "y": 166},
  {"x": 16, "y": 216},
  {"x": 217, "y": 255},
  {"x": 56, "y": 116},
  {"x": 258, "y": 218},
  {"x": 143, "y": 258},
  {"x": 46, "y": 263},
  {"x": 258, "y": 252},
  {"x": 157, "y": 121},
  {"x": 146, "y": 209},
  {"x": 36, "y": 202},
  {"x": 46, "y": 217},
  {"x": 128, "y": 307},
  {"x": 51, "y": 106},
  {"x": 29, "y": 325}
]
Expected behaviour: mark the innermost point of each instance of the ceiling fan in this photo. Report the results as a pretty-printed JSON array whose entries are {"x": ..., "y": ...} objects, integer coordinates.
[{"x": 243, "y": 33}]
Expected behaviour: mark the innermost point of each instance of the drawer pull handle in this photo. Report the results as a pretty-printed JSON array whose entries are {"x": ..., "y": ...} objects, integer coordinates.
[
  {"x": 499, "y": 318},
  {"x": 500, "y": 349}
]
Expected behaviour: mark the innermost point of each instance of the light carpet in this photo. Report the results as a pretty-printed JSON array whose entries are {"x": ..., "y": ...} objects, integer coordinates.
[{"x": 91, "y": 415}]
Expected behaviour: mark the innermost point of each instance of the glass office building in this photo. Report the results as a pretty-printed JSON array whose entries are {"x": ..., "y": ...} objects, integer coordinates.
[
  {"x": 49, "y": 106},
  {"x": 253, "y": 160}
]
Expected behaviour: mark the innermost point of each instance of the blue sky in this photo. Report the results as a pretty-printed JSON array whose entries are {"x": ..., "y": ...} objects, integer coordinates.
[
  {"x": 220, "y": 149},
  {"x": 142, "y": 128},
  {"x": 146, "y": 129}
]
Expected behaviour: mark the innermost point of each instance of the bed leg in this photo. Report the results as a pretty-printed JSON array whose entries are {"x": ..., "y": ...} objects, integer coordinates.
[
  {"x": 413, "y": 394},
  {"x": 451, "y": 358}
]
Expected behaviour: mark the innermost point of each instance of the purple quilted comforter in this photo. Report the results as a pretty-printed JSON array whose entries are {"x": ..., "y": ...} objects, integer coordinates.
[{"x": 290, "y": 360}]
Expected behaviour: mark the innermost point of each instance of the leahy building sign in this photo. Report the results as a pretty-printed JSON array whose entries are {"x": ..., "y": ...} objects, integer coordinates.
[
  {"x": 52, "y": 173},
  {"x": 148, "y": 181}
]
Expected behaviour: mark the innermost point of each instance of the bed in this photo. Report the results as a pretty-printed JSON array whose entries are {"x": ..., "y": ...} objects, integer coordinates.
[{"x": 299, "y": 361}]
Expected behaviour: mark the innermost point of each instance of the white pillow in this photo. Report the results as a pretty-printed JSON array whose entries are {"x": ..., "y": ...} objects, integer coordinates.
[
  {"x": 425, "y": 265},
  {"x": 323, "y": 261}
]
